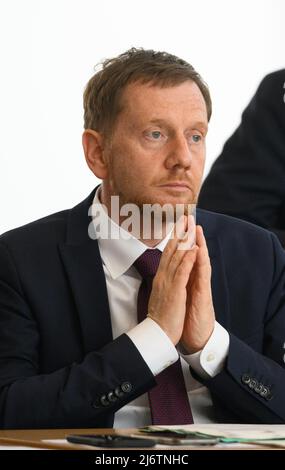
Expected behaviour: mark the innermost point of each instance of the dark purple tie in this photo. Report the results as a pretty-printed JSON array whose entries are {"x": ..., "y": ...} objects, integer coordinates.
[{"x": 169, "y": 402}]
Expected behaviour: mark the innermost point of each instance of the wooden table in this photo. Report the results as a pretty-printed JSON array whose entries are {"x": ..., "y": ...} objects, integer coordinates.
[{"x": 34, "y": 438}]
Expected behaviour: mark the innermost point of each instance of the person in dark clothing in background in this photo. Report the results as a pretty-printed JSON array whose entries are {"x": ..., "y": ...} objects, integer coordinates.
[{"x": 248, "y": 178}]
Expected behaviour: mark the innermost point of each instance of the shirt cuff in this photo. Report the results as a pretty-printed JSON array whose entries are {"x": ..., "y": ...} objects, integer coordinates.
[
  {"x": 211, "y": 359},
  {"x": 154, "y": 345}
]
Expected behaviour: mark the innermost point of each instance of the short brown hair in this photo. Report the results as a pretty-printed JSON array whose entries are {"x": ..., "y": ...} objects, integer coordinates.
[{"x": 103, "y": 91}]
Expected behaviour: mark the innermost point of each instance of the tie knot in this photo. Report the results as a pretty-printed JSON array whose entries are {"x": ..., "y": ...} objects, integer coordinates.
[{"x": 148, "y": 262}]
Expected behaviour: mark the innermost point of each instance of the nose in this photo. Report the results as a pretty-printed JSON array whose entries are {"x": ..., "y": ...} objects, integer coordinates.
[{"x": 179, "y": 153}]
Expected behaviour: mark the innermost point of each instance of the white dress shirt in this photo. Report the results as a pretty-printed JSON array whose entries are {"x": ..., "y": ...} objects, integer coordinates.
[{"x": 123, "y": 281}]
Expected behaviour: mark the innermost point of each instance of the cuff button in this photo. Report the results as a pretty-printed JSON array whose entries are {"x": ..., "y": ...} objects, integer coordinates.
[
  {"x": 210, "y": 357},
  {"x": 104, "y": 400},
  {"x": 126, "y": 387},
  {"x": 112, "y": 397},
  {"x": 245, "y": 378},
  {"x": 118, "y": 392}
]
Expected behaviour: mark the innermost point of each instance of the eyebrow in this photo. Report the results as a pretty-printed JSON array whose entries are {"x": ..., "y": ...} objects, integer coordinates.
[{"x": 196, "y": 124}]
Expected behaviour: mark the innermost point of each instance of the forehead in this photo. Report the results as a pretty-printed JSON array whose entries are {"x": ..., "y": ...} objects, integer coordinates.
[{"x": 148, "y": 101}]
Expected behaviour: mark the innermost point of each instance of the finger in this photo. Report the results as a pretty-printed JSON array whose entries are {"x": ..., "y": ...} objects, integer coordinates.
[
  {"x": 203, "y": 260},
  {"x": 176, "y": 260},
  {"x": 190, "y": 235},
  {"x": 185, "y": 243},
  {"x": 172, "y": 243},
  {"x": 185, "y": 267}
]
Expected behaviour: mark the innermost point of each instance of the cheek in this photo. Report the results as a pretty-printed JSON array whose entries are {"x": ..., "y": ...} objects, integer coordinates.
[
  {"x": 128, "y": 172},
  {"x": 199, "y": 161},
  {"x": 132, "y": 165},
  {"x": 197, "y": 170},
  {"x": 201, "y": 166},
  {"x": 138, "y": 166}
]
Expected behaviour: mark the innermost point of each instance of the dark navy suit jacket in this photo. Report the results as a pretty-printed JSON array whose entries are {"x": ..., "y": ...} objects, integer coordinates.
[{"x": 58, "y": 361}]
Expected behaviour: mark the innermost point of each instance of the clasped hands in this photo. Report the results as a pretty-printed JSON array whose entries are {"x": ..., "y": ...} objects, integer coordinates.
[{"x": 181, "y": 297}]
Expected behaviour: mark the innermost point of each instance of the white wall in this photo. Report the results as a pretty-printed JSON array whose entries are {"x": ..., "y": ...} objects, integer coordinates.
[{"x": 49, "y": 48}]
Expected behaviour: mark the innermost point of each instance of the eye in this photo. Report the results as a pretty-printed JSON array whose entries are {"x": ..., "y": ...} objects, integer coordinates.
[
  {"x": 155, "y": 135},
  {"x": 196, "y": 138}
]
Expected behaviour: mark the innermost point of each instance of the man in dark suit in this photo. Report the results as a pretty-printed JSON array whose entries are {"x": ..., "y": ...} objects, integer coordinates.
[
  {"x": 248, "y": 178},
  {"x": 72, "y": 351}
]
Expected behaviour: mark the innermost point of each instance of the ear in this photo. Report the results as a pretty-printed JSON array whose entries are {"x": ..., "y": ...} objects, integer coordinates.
[{"x": 93, "y": 146}]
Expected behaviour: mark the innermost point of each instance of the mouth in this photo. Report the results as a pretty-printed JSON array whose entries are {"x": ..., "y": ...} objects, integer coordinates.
[{"x": 176, "y": 186}]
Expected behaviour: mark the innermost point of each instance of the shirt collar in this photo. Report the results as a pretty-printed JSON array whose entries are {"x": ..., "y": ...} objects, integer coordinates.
[{"x": 119, "y": 253}]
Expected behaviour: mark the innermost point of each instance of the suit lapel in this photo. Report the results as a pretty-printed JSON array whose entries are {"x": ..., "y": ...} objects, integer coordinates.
[
  {"x": 219, "y": 281},
  {"x": 82, "y": 261}
]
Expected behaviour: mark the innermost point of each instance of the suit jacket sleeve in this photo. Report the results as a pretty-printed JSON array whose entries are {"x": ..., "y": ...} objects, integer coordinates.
[
  {"x": 248, "y": 178},
  {"x": 71, "y": 396},
  {"x": 251, "y": 385}
]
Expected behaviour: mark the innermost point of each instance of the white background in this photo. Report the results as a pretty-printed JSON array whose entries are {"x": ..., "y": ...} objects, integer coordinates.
[{"x": 48, "y": 49}]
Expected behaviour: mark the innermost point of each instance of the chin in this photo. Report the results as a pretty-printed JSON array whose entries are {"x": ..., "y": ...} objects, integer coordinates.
[
  {"x": 173, "y": 200},
  {"x": 154, "y": 197}
]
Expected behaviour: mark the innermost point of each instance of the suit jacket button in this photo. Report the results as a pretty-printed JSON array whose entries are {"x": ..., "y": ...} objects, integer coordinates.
[
  {"x": 264, "y": 392},
  {"x": 258, "y": 388},
  {"x": 104, "y": 400},
  {"x": 111, "y": 397},
  {"x": 253, "y": 383},
  {"x": 126, "y": 387},
  {"x": 118, "y": 392},
  {"x": 245, "y": 378}
]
